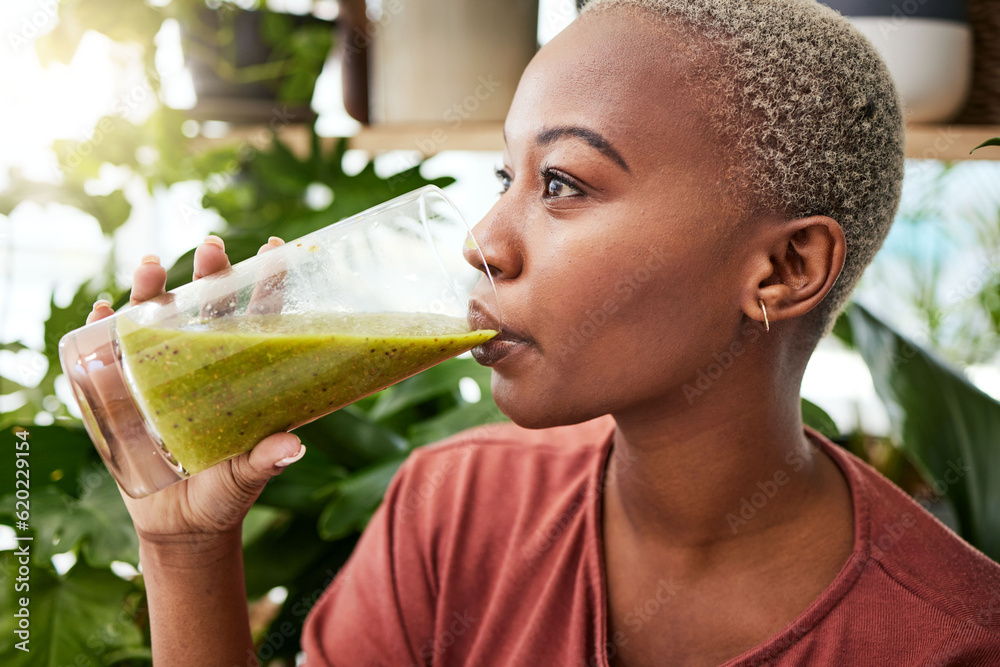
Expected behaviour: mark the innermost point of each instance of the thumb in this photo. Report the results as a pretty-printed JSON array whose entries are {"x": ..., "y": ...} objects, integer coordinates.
[{"x": 268, "y": 458}]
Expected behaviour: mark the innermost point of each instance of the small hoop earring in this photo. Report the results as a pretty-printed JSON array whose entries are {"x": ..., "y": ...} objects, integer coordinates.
[{"x": 767, "y": 325}]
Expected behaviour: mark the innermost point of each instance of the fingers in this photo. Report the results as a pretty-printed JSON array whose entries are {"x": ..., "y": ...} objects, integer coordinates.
[
  {"x": 272, "y": 243},
  {"x": 268, "y": 293},
  {"x": 210, "y": 257},
  {"x": 271, "y": 456},
  {"x": 102, "y": 308},
  {"x": 148, "y": 281}
]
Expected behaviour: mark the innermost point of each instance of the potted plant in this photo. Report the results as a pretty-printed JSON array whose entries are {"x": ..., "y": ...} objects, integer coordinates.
[
  {"x": 246, "y": 63},
  {"x": 446, "y": 62},
  {"x": 927, "y": 45}
]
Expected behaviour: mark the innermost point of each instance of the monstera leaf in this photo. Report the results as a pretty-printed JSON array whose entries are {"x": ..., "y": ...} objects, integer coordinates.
[
  {"x": 86, "y": 617},
  {"x": 948, "y": 427}
]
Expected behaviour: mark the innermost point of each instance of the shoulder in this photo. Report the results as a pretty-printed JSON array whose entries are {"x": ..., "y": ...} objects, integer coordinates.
[
  {"x": 924, "y": 561},
  {"x": 488, "y": 496},
  {"x": 490, "y": 463}
]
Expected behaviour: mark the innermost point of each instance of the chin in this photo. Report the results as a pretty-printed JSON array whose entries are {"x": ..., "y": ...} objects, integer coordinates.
[{"x": 538, "y": 412}]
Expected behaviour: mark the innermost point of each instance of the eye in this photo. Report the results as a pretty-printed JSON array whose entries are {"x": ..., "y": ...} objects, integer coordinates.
[
  {"x": 557, "y": 185},
  {"x": 504, "y": 179}
]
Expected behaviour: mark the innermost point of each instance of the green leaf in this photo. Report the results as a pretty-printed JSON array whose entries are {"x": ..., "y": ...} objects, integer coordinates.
[
  {"x": 112, "y": 210},
  {"x": 433, "y": 382},
  {"x": 815, "y": 416},
  {"x": 284, "y": 553},
  {"x": 97, "y": 524},
  {"x": 275, "y": 27},
  {"x": 59, "y": 44},
  {"x": 306, "y": 578},
  {"x": 136, "y": 22},
  {"x": 114, "y": 141},
  {"x": 60, "y": 322},
  {"x": 948, "y": 427},
  {"x": 77, "y": 619},
  {"x": 350, "y": 439},
  {"x": 453, "y": 421},
  {"x": 995, "y": 141},
  {"x": 57, "y": 454},
  {"x": 355, "y": 500},
  {"x": 296, "y": 488},
  {"x": 842, "y": 329},
  {"x": 259, "y": 520}
]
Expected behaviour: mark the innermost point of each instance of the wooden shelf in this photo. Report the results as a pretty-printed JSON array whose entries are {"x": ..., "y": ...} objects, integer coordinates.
[
  {"x": 426, "y": 138},
  {"x": 950, "y": 142},
  {"x": 431, "y": 138},
  {"x": 931, "y": 142}
]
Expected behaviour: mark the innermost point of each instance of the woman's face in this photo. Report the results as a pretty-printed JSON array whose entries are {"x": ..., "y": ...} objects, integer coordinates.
[{"x": 613, "y": 247}]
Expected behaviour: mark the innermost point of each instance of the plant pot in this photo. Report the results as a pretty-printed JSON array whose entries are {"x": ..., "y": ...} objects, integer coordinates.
[
  {"x": 448, "y": 62},
  {"x": 254, "y": 66},
  {"x": 927, "y": 45}
]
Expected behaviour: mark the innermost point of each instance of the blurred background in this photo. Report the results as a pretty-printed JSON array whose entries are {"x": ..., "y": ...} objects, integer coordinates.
[{"x": 134, "y": 127}]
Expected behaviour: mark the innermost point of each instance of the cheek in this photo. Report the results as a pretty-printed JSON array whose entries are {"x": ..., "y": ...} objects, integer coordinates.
[{"x": 642, "y": 320}]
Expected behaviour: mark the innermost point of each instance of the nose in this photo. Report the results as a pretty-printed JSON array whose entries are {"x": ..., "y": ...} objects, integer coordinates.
[{"x": 497, "y": 239}]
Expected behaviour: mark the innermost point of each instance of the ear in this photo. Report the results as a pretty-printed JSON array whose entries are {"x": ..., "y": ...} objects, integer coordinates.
[{"x": 803, "y": 259}]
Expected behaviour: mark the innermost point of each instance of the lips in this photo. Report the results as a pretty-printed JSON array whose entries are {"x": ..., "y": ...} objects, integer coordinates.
[{"x": 500, "y": 346}]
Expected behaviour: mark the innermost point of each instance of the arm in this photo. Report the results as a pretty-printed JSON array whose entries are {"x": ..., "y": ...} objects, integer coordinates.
[
  {"x": 197, "y": 602},
  {"x": 189, "y": 533}
]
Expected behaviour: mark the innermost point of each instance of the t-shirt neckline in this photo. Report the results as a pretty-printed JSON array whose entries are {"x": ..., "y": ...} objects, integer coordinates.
[{"x": 808, "y": 619}]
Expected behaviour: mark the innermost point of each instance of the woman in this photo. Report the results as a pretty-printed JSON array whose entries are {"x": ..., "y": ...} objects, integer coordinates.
[{"x": 691, "y": 188}]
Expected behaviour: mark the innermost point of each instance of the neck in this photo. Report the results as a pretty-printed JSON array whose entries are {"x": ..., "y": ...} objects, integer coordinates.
[{"x": 729, "y": 465}]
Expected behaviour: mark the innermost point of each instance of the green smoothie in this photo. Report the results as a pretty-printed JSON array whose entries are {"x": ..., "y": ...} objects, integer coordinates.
[{"x": 212, "y": 389}]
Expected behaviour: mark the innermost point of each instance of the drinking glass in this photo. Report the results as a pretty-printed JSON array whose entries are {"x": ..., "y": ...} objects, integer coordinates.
[{"x": 177, "y": 384}]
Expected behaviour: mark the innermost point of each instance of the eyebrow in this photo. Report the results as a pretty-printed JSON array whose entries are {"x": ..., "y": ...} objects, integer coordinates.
[
  {"x": 591, "y": 137},
  {"x": 595, "y": 139}
]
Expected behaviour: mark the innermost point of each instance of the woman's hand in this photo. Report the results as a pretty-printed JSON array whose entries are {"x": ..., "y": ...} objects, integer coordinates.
[{"x": 211, "y": 504}]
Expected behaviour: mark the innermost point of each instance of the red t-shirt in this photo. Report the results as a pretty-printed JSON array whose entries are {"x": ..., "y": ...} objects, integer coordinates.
[{"x": 487, "y": 551}]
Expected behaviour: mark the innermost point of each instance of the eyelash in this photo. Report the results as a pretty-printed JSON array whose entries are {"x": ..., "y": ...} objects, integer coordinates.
[{"x": 548, "y": 175}]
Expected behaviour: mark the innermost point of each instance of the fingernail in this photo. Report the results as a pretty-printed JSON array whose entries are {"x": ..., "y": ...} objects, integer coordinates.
[
  {"x": 216, "y": 241},
  {"x": 101, "y": 302},
  {"x": 288, "y": 460},
  {"x": 274, "y": 240},
  {"x": 150, "y": 259}
]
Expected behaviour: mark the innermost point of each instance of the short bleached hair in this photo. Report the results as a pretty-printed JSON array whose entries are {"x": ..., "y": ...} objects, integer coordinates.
[{"x": 809, "y": 113}]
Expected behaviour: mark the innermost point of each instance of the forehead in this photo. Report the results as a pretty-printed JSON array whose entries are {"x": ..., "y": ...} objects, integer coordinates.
[{"x": 620, "y": 72}]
